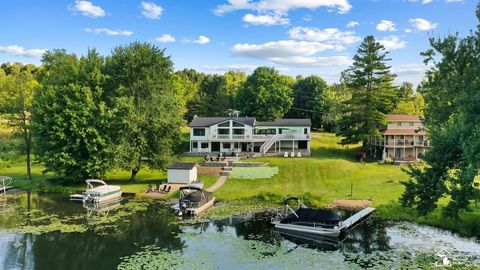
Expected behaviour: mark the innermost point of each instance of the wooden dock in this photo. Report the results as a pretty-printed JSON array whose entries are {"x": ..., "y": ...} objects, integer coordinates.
[
  {"x": 354, "y": 220},
  {"x": 4, "y": 189}
]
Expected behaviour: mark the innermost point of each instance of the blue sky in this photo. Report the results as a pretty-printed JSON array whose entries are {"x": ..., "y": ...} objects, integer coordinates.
[{"x": 296, "y": 36}]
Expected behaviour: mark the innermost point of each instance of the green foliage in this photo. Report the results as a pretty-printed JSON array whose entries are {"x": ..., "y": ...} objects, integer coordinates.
[
  {"x": 266, "y": 94},
  {"x": 17, "y": 87},
  {"x": 335, "y": 95},
  {"x": 310, "y": 99},
  {"x": 140, "y": 75},
  {"x": 70, "y": 117},
  {"x": 453, "y": 120},
  {"x": 373, "y": 94}
]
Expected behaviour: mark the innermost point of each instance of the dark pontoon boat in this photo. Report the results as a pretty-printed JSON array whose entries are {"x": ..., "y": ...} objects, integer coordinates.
[
  {"x": 323, "y": 222},
  {"x": 194, "y": 200}
]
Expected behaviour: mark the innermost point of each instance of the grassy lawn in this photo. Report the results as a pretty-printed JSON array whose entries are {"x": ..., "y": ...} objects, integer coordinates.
[{"x": 328, "y": 174}]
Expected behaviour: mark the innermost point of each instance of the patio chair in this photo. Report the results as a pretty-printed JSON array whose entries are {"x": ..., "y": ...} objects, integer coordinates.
[
  {"x": 299, "y": 154},
  {"x": 285, "y": 154},
  {"x": 149, "y": 188},
  {"x": 157, "y": 188},
  {"x": 292, "y": 154},
  {"x": 163, "y": 189},
  {"x": 206, "y": 158},
  {"x": 167, "y": 190}
]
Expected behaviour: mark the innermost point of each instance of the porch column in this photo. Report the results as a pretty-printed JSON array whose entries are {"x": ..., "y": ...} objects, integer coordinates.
[
  {"x": 293, "y": 146},
  {"x": 190, "y": 146}
]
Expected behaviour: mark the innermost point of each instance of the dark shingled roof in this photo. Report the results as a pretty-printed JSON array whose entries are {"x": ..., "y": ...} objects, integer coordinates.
[
  {"x": 208, "y": 121},
  {"x": 182, "y": 166},
  {"x": 287, "y": 122}
]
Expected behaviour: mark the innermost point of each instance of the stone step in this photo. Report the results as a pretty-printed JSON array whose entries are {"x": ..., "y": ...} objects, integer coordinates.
[{"x": 224, "y": 173}]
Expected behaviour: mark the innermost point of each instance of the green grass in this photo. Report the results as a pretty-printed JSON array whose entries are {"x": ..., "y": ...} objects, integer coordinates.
[{"x": 328, "y": 174}]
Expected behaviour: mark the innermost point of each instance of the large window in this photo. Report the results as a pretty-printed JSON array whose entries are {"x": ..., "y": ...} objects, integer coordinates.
[
  {"x": 223, "y": 131},
  {"x": 198, "y": 132},
  {"x": 267, "y": 131},
  {"x": 412, "y": 124},
  {"x": 195, "y": 145},
  {"x": 226, "y": 145},
  {"x": 399, "y": 124},
  {"x": 236, "y": 124},
  {"x": 225, "y": 124},
  {"x": 238, "y": 131},
  {"x": 204, "y": 145}
]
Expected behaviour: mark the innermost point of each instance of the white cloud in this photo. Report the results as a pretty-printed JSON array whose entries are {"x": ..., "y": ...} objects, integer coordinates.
[
  {"x": 408, "y": 30},
  {"x": 21, "y": 51},
  {"x": 420, "y": 24},
  {"x": 386, "y": 25},
  {"x": 453, "y": 1},
  {"x": 232, "y": 67},
  {"x": 87, "y": 8},
  {"x": 327, "y": 35},
  {"x": 281, "y": 6},
  {"x": 200, "y": 40},
  {"x": 291, "y": 52},
  {"x": 109, "y": 32},
  {"x": 352, "y": 24},
  {"x": 276, "y": 19},
  {"x": 422, "y": 1},
  {"x": 165, "y": 38},
  {"x": 151, "y": 10},
  {"x": 392, "y": 43}
]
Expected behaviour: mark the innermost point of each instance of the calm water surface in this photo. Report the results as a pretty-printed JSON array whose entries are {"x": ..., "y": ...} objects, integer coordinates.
[{"x": 50, "y": 232}]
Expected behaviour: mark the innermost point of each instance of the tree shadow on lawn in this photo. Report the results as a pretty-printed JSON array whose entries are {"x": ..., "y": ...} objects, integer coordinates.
[{"x": 335, "y": 153}]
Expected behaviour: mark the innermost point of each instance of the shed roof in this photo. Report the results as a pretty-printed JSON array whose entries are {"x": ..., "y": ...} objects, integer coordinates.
[
  {"x": 182, "y": 166},
  {"x": 209, "y": 121}
]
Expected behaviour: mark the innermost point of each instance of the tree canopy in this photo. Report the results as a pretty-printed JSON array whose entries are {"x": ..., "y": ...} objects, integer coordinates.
[
  {"x": 266, "y": 94},
  {"x": 373, "y": 94},
  {"x": 452, "y": 117}
]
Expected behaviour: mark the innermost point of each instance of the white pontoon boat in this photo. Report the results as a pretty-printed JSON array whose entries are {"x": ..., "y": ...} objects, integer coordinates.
[{"x": 99, "y": 194}]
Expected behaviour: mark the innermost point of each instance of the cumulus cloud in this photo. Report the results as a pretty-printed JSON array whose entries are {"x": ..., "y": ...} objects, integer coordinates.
[
  {"x": 21, "y": 51},
  {"x": 281, "y": 6},
  {"x": 151, "y": 10},
  {"x": 109, "y": 32},
  {"x": 392, "y": 43},
  {"x": 420, "y": 24},
  {"x": 232, "y": 67},
  {"x": 291, "y": 52},
  {"x": 200, "y": 40},
  {"x": 87, "y": 8},
  {"x": 327, "y": 35},
  {"x": 276, "y": 19},
  {"x": 386, "y": 26},
  {"x": 352, "y": 24},
  {"x": 165, "y": 38}
]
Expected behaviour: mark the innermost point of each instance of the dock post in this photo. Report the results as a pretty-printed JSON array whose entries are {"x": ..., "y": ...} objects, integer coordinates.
[{"x": 351, "y": 189}]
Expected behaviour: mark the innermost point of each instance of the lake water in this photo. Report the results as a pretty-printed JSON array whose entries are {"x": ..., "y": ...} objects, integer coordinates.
[{"x": 50, "y": 232}]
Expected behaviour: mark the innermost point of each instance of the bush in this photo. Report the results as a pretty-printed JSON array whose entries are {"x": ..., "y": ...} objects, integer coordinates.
[{"x": 388, "y": 160}]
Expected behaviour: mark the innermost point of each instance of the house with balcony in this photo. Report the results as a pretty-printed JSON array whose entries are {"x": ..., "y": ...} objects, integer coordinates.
[
  {"x": 247, "y": 135},
  {"x": 404, "y": 138}
]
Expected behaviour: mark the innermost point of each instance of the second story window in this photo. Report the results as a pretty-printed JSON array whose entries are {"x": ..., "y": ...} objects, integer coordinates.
[
  {"x": 238, "y": 131},
  {"x": 305, "y": 131},
  {"x": 198, "y": 132},
  {"x": 223, "y": 131},
  {"x": 399, "y": 124},
  {"x": 412, "y": 124}
]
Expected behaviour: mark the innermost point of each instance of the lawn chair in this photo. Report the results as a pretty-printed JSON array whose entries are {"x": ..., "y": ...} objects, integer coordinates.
[
  {"x": 285, "y": 154},
  {"x": 299, "y": 154},
  {"x": 163, "y": 189},
  {"x": 157, "y": 188},
  {"x": 149, "y": 188},
  {"x": 292, "y": 154},
  {"x": 167, "y": 190}
]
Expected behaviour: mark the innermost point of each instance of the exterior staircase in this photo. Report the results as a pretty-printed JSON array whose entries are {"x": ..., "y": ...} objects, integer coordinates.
[{"x": 268, "y": 144}]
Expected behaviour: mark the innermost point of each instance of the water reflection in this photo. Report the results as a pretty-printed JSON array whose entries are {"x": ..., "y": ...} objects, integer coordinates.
[{"x": 239, "y": 242}]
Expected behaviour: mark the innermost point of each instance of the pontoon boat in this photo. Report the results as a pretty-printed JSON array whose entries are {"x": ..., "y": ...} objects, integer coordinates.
[
  {"x": 193, "y": 200},
  {"x": 99, "y": 194}
]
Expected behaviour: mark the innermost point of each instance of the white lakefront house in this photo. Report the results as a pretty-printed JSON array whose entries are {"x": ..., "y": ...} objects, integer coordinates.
[{"x": 247, "y": 135}]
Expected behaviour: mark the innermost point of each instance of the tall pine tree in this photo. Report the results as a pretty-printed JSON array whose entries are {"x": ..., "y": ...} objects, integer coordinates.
[{"x": 373, "y": 94}]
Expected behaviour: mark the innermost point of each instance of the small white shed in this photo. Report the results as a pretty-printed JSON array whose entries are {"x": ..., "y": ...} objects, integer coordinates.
[{"x": 182, "y": 173}]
